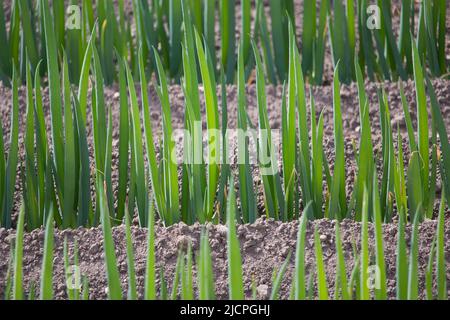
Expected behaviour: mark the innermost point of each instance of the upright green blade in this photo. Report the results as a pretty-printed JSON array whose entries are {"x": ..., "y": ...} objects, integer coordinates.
[
  {"x": 276, "y": 286},
  {"x": 18, "y": 255},
  {"x": 439, "y": 124},
  {"x": 84, "y": 76},
  {"x": 246, "y": 191},
  {"x": 414, "y": 186},
  {"x": 401, "y": 274},
  {"x": 209, "y": 33},
  {"x": 138, "y": 153},
  {"x": 365, "y": 294},
  {"x": 205, "y": 275},
  {"x": 322, "y": 286},
  {"x": 236, "y": 290},
  {"x": 28, "y": 33},
  {"x": 69, "y": 154},
  {"x": 11, "y": 165},
  {"x": 413, "y": 277},
  {"x": 175, "y": 20},
  {"x": 170, "y": 164},
  {"x": 338, "y": 206},
  {"x": 150, "y": 274},
  {"x": 299, "y": 275},
  {"x": 340, "y": 267},
  {"x": 279, "y": 38},
  {"x": 47, "y": 262},
  {"x": 380, "y": 290},
  {"x": 212, "y": 120},
  {"x": 55, "y": 89},
  {"x": 114, "y": 287},
  {"x": 267, "y": 160},
  {"x": 308, "y": 36},
  {"x": 132, "y": 291},
  {"x": 187, "y": 290},
  {"x": 422, "y": 122},
  {"x": 124, "y": 139},
  {"x": 440, "y": 257},
  {"x": 228, "y": 37}
]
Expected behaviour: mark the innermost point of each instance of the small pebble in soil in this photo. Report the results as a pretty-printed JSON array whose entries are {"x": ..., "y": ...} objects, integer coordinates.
[
  {"x": 10, "y": 238},
  {"x": 222, "y": 230},
  {"x": 262, "y": 291},
  {"x": 94, "y": 248}
]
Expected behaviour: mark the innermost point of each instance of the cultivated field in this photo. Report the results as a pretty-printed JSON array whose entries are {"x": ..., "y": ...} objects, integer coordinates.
[{"x": 234, "y": 149}]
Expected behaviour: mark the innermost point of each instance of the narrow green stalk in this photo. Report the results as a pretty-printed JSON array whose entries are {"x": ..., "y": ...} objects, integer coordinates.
[
  {"x": 175, "y": 20},
  {"x": 132, "y": 291},
  {"x": 440, "y": 257},
  {"x": 18, "y": 256},
  {"x": 299, "y": 275},
  {"x": 276, "y": 286},
  {"x": 228, "y": 37},
  {"x": 380, "y": 290},
  {"x": 46, "y": 286},
  {"x": 338, "y": 205},
  {"x": 236, "y": 290},
  {"x": 137, "y": 151},
  {"x": 205, "y": 275},
  {"x": 187, "y": 292},
  {"x": 322, "y": 286},
  {"x": 439, "y": 124},
  {"x": 309, "y": 33},
  {"x": 246, "y": 192},
  {"x": 268, "y": 164},
  {"x": 114, "y": 287},
  {"x": 124, "y": 130},
  {"x": 422, "y": 123},
  {"x": 170, "y": 164},
  {"x": 212, "y": 120},
  {"x": 340, "y": 267},
  {"x": 150, "y": 274},
  {"x": 69, "y": 154},
  {"x": 365, "y": 294},
  {"x": 413, "y": 277},
  {"x": 401, "y": 260},
  {"x": 12, "y": 162},
  {"x": 55, "y": 89}
]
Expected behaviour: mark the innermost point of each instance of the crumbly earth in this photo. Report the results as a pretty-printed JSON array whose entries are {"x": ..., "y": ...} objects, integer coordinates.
[{"x": 264, "y": 246}]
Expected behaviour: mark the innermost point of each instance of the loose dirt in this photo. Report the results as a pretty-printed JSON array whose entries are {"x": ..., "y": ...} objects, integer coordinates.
[{"x": 264, "y": 246}]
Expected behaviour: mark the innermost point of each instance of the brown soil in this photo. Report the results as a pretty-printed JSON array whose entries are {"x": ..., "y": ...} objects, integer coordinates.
[{"x": 264, "y": 246}]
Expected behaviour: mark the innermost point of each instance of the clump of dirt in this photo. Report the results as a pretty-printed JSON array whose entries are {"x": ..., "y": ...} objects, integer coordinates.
[{"x": 264, "y": 247}]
